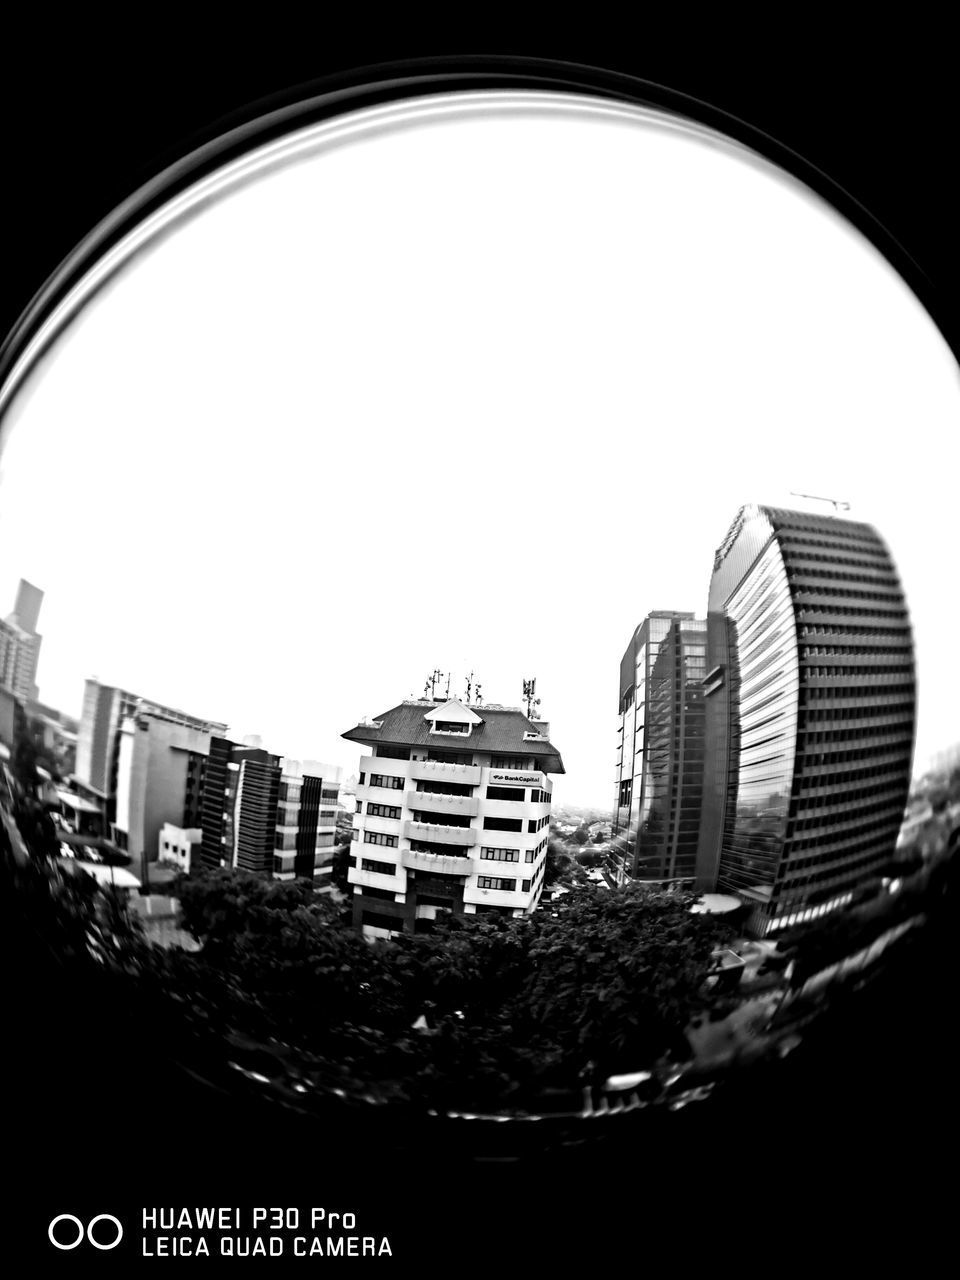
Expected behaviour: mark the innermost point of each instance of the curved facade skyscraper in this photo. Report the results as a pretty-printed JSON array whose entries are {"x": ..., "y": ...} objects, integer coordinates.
[{"x": 810, "y": 698}]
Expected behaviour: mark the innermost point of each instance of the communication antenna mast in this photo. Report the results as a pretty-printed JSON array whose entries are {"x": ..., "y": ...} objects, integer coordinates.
[
  {"x": 469, "y": 687},
  {"x": 479, "y": 696},
  {"x": 447, "y": 694},
  {"x": 529, "y": 692},
  {"x": 838, "y": 503}
]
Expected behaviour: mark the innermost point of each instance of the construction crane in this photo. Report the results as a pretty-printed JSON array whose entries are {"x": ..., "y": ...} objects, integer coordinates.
[{"x": 838, "y": 503}]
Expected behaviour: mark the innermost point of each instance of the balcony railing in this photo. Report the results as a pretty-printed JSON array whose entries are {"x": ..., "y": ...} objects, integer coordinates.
[
  {"x": 440, "y": 863},
  {"x": 436, "y": 802},
  {"x": 439, "y": 833},
  {"x": 468, "y": 774}
]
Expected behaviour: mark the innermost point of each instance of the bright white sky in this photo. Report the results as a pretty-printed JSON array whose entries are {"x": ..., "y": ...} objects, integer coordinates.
[{"x": 479, "y": 393}]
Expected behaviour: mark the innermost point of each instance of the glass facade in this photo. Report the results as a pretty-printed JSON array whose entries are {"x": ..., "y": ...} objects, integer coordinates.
[
  {"x": 810, "y": 708},
  {"x": 661, "y": 746}
]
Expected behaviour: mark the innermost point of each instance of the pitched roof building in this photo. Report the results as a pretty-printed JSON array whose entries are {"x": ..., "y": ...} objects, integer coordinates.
[{"x": 453, "y": 814}]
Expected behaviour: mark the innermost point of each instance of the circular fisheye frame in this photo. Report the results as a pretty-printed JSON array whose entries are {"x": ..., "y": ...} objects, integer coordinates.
[{"x": 491, "y": 518}]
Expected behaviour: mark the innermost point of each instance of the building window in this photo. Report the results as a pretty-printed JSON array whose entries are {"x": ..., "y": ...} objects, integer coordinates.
[
  {"x": 386, "y": 895},
  {"x": 387, "y": 781},
  {"x": 450, "y": 726},
  {"x": 382, "y": 811},
  {"x": 503, "y": 824},
  {"x": 506, "y": 793},
  {"x": 378, "y": 837},
  {"x": 387, "y": 752},
  {"x": 380, "y": 868},
  {"x": 494, "y": 882},
  {"x": 500, "y": 855},
  {"x": 525, "y": 887},
  {"x": 510, "y": 762}
]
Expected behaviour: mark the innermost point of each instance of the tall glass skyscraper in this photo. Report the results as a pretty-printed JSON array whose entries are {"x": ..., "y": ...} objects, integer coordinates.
[
  {"x": 810, "y": 710},
  {"x": 660, "y": 750}
]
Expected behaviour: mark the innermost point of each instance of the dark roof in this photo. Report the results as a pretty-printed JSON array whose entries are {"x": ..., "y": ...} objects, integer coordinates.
[{"x": 501, "y": 732}]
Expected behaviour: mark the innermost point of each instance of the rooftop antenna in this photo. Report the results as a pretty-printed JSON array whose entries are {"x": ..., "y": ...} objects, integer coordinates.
[
  {"x": 529, "y": 690},
  {"x": 469, "y": 687},
  {"x": 430, "y": 688},
  {"x": 447, "y": 694},
  {"x": 479, "y": 696},
  {"x": 838, "y": 503}
]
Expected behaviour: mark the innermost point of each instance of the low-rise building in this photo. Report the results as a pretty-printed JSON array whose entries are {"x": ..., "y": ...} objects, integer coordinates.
[{"x": 179, "y": 846}]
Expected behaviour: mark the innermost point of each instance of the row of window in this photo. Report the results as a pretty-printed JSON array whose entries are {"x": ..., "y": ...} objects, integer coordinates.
[
  {"x": 828, "y": 715},
  {"x": 506, "y": 793},
  {"x": 386, "y": 780},
  {"x": 880, "y": 778},
  {"x": 830, "y": 610},
  {"x": 808, "y": 534},
  {"x": 381, "y": 868},
  {"x": 877, "y": 826},
  {"x": 379, "y": 810},
  {"x": 378, "y": 837},
  {"x": 817, "y": 862},
  {"x": 835, "y": 816},
  {"x": 809, "y": 630},
  {"x": 500, "y": 855},
  {"x": 873, "y": 556},
  {"x": 503, "y": 824},
  {"x": 881, "y": 573},
  {"x": 506, "y": 886},
  {"x": 882, "y": 693},
  {"x": 862, "y": 673},
  {"x": 856, "y": 651},
  {"x": 842, "y": 874}
]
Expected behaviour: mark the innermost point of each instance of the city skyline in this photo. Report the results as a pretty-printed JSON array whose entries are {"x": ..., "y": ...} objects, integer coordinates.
[{"x": 287, "y": 543}]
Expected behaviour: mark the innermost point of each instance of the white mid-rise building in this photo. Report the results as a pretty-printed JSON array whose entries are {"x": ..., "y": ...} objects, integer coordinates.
[{"x": 453, "y": 814}]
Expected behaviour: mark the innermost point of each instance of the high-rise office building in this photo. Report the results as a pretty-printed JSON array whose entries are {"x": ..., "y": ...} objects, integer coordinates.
[
  {"x": 453, "y": 814},
  {"x": 20, "y": 644},
  {"x": 105, "y": 709},
  {"x": 160, "y": 768},
  {"x": 266, "y": 814},
  {"x": 13, "y": 723},
  {"x": 660, "y": 747},
  {"x": 810, "y": 707}
]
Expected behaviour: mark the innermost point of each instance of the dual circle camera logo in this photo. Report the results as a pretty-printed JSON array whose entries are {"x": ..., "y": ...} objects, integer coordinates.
[{"x": 62, "y": 1236}]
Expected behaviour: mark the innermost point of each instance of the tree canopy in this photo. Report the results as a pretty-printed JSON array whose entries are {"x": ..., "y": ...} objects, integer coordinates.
[{"x": 599, "y": 982}]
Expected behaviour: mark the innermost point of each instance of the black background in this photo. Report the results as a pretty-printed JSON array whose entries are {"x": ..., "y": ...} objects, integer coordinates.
[{"x": 88, "y": 117}]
